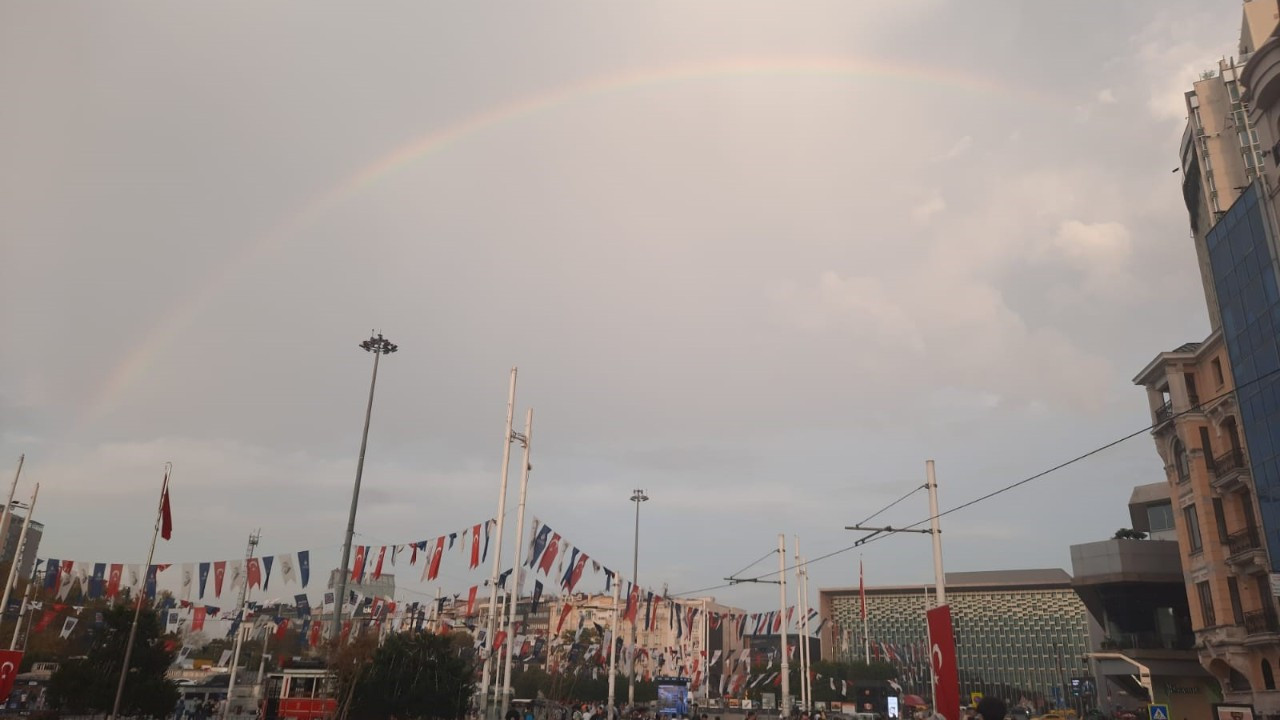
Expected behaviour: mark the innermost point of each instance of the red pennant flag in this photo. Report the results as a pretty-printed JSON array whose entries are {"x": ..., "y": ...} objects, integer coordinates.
[
  {"x": 45, "y": 619},
  {"x": 564, "y": 613},
  {"x": 377, "y": 570},
  {"x": 219, "y": 572},
  {"x": 498, "y": 639},
  {"x": 254, "y": 573},
  {"x": 113, "y": 581},
  {"x": 475, "y": 547},
  {"x": 166, "y": 515},
  {"x": 314, "y": 639},
  {"x": 197, "y": 618},
  {"x": 471, "y": 599},
  {"x": 357, "y": 567},
  {"x": 434, "y": 570},
  {"x": 9, "y": 662},
  {"x": 549, "y": 555},
  {"x": 282, "y": 628},
  {"x": 346, "y": 630},
  {"x": 577, "y": 571},
  {"x": 633, "y": 604}
]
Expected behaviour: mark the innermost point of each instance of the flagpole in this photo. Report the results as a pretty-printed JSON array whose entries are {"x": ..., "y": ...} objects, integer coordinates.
[
  {"x": 613, "y": 652},
  {"x": 801, "y": 606},
  {"x": 785, "y": 708},
  {"x": 137, "y": 610},
  {"x": 526, "y": 440},
  {"x": 238, "y": 644},
  {"x": 492, "y": 625},
  {"x": 17, "y": 554},
  {"x": 6, "y": 516},
  {"x": 26, "y": 595}
]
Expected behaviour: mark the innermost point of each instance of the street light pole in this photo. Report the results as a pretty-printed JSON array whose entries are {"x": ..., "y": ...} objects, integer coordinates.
[
  {"x": 379, "y": 346},
  {"x": 637, "y": 497}
]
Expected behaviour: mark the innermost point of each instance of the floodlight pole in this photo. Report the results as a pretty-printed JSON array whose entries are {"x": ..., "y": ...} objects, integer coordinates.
[{"x": 379, "y": 346}]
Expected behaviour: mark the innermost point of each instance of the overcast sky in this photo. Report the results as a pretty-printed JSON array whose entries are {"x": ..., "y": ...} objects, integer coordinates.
[{"x": 762, "y": 260}]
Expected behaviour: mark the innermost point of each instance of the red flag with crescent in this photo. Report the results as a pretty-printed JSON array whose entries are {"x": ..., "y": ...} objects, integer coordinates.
[
  {"x": 9, "y": 662},
  {"x": 942, "y": 655}
]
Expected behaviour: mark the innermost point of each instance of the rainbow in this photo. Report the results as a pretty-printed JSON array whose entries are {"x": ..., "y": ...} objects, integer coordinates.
[{"x": 180, "y": 312}]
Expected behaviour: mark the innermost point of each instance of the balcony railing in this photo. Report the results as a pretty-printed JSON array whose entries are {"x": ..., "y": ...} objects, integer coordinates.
[
  {"x": 1243, "y": 541},
  {"x": 1229, "y": 462},
  {"x": 1261, "y": 621},
  {"x": 1164, "y": 412}
]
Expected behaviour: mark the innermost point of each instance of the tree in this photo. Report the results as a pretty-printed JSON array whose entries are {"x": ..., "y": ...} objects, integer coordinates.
[
  {"x": 88, "y": 684},
  {"x": 413, "y": 675},
  {"x": 1129, "y": 534}
]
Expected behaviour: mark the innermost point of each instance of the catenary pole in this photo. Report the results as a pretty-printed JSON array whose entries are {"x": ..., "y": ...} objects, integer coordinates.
[
  {"x": 637, "y": 496},
  {"x": 935, "y": 530},
  {"x": 492, "y": 625},
  {"x": 526, "y": 439}
]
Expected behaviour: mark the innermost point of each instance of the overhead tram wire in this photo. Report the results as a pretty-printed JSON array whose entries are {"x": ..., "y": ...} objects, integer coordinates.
[
  {"x": 821, "y": 557},
  {"x": 1024, "y": 481}
]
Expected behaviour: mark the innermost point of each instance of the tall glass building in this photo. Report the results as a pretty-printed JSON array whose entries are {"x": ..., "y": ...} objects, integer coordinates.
[
  {"x": 1021, "y": 635},
  {"x": 1243, "y": 256}
]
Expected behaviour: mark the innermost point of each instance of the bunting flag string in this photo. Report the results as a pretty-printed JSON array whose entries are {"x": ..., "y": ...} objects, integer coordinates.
[{"x": 106, "y": 580}]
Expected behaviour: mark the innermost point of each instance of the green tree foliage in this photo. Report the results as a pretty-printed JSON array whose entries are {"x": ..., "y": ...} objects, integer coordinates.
[
  {"x": 88, "y": 684},
  {"x": 413, "y": 676}
]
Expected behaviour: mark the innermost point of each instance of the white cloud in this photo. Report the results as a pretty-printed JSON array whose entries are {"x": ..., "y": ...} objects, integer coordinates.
[
  {"x": 1106, "y": 97},
  {"x": 959, "y": 148},
  {"x": 925, "y": 210}
]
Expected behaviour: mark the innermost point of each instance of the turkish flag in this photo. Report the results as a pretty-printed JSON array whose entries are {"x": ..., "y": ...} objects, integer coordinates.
[
  {"x": 942, "y": 654},
  {"x": 113, "y": 581},
  {"x": 9, "y": 662},
  {"x": 166, "y": 514},
  {"x": 197, "y": 618}
]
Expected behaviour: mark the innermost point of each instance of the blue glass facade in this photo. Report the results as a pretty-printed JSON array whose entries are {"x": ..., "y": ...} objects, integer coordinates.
[{"x": 1245, "y": 273}]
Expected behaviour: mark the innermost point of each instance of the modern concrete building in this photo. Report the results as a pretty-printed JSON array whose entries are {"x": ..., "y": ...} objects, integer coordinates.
[
  {"x": 1135, "y": 591},
  {"x": 1022, "y": 635},
  {"x": 35, "y": 531},
  {"x": 1220, "y": 150}
]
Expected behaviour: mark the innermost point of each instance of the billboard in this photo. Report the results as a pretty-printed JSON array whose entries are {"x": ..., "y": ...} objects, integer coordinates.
[{"x": 673, "y": 695}]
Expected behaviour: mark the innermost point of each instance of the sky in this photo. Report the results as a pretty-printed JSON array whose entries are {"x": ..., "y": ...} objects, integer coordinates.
[{"x": 762, "y": 260}]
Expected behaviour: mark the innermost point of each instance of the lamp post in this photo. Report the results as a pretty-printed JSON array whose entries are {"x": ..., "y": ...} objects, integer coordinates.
[
  {"x": 637, "y": 497},
  {"x": 379, "y": 346}
]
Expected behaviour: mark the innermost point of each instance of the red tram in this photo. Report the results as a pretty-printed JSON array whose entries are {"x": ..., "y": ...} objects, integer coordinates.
[{"x": 298, "y": 694}]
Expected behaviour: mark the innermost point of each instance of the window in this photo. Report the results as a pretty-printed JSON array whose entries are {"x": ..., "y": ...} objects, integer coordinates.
[
  {"x": 1160, "y": 517},
  {"x": 1180, "y": 461},
  {"x": 1220, "y": 518},
  {"x": 1268, "y": 677},
  {"x": 1193, "y": 397},
  {"x": 1237, "y": 609},
  {"x": 1192, "y": 521},
  {"x": 1216, "y": 365},
  {"x": 1206, "y": 604}
]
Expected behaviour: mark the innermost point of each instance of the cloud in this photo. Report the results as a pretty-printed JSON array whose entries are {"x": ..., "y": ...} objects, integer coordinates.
[
  {"x": 924, "y": 211},
  {"x": 1106, "y": 97},
  {"x": 959, "y": 148}
]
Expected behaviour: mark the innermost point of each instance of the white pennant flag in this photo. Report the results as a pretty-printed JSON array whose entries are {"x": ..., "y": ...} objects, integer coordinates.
[
  {"x": 188, "y": 574},
  {"x": 287, "y": 570},
  {"x": 237, "y": 573},
  {"x": 226, "y": 658},
  {"x": 135, "y": 576},
  {"x": 715, "y": 658},
  {"x": 67, "y": 627}
]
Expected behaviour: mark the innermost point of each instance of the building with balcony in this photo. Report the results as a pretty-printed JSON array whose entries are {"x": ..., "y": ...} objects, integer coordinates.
[
  {"x": 1135, "y": 591},
  {"x": 1021, "y": 635},
  {"x": 1225, "y": 570}
]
